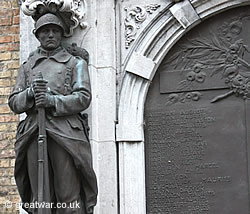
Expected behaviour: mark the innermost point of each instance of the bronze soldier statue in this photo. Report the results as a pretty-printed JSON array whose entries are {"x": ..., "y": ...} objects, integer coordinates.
[{"x": 64, "y": 94}]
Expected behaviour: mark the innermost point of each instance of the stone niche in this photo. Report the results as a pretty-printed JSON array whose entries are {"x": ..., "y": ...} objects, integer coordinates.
[{"x": 197, "y": 121}]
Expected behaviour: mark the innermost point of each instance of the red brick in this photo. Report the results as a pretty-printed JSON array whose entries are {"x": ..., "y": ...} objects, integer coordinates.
[
  {"x": 4, "y": 47},
  {"x": 12, "y": 82},
  {"x": 5, "y": 92},
  {"x": 5, "y": 21},
  {"x": 4, "y": 109},
  {"x": 10, "y": 144},
  {"x": 16, "y": 12},
  {"x": 14, "y": 199},
  {"x": 7, "y": 136},
  {"x": 8, "y": 118},
  {"x": 5, "y": 181},
  {"x": 4, "y": 144},
  {"x": 3, "y": 189},
  {"x": 12, "y": 162},
  {"x": 16, "y": 38},
  {"x": 15, "y": 55},
  {"x": 14, "y": 46},
  {"x": 6, "y": 171},
  {"x": 5, "y": 4},
  {"x": 4, "y": 163},
  {"x": 5, "y": 39},
  {"x": 14, "y": 73},
  {"x": 12, "y": 30},
  {"x": 5, "y": 12},
  {"x": 5, "y": 56},
  {"x": 12, "y": 190},
  {"x": 14, "y": 3},
  {"x": 16, "y": 20},
  {"x": 5, "y": 74},
  {"x": 3, "y": 100},
  {"x": 7, "y": 153},
  {"x": 1, "y": 66},
  {"x": 7, "y": 189},
  {"x": 14, "y": 64},
  {"x": 9, "y": 55}
]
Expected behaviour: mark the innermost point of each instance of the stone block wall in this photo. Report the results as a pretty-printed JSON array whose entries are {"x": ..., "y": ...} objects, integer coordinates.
[{"x": 9, "y": 63}]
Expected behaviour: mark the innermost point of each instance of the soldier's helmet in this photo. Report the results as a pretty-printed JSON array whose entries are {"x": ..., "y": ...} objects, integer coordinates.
[{"x": 48, "y": 19}]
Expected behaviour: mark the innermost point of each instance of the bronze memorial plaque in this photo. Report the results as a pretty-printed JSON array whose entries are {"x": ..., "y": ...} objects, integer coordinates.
[{"x": 197, "y": 121}]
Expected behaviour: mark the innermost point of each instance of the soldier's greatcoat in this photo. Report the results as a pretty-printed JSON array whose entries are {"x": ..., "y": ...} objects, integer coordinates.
[{"x": 68, "y": 80}]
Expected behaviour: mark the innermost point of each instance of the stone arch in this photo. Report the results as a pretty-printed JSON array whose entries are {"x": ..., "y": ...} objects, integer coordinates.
[{"x": 140, "y": 66}]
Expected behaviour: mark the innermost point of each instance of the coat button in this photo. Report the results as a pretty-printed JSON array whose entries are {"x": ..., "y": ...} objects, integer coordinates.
[{"x": 59, "y": 72}]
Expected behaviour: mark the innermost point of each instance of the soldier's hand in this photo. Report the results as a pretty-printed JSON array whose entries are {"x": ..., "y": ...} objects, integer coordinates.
[
  {"x": 44, "y": 100},
  {"x": 39, "y": 86},
  {"x": 30, "y": 92},
  {"x": 39, "y": 89},
  {"x": 42, "y": 97}
]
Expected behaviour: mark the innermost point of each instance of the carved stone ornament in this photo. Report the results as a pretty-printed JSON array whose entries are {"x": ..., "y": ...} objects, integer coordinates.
[
  {"x": 220, "y": 58},
  {"x": 183, "y": 97},
  {"x": 136, "y": 15},
  {"x": 72, "y": 12},
  {"x": 190, "y": 121}
]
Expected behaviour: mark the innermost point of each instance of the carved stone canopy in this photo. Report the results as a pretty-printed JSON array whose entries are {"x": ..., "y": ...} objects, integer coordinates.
[{"x": 72, "y": 12}]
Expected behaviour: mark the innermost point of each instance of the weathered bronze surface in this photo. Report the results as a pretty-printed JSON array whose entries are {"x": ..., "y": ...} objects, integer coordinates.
[
  {"x": 197, "y": 118},
  {"x": 54, "y": 105}
]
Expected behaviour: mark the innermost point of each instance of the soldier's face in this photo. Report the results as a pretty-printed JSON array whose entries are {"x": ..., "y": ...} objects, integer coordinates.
[{"x": 50, "y": 37}]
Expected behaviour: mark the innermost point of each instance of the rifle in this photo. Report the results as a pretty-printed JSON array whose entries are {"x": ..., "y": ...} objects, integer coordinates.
[{"x": 43, "y": 170}]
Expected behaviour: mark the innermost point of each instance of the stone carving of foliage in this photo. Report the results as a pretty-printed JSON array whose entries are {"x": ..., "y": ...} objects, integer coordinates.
[
  {"x": 135, "y": 16},
  {"x": 222, "y": 54},
  {"x": 184, "y": 97},
  {"x": 71, "y": 11}
]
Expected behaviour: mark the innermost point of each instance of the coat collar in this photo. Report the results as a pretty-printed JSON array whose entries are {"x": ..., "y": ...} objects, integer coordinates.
[{"x": 60, "y": 55}]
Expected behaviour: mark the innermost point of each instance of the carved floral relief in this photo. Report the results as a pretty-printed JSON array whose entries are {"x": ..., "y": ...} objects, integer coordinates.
[
  {"x": 184, "y": 97},
  {"x": 135, "y": 16},
  {"x": 71, "y": 11},
  {"x": 221, "y": 54}
]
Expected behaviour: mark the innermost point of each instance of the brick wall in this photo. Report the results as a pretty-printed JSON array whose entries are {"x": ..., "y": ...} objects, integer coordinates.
[{"x": 9, "y": 63}]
